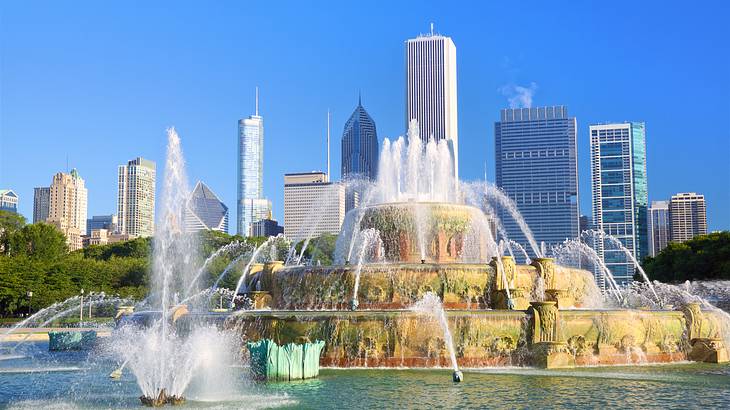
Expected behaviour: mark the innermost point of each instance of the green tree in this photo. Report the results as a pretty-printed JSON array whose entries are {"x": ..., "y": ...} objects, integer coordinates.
[
  {"x": 10, "y": 224},
  {"x": 38, "y": 241},
  {"x": 703, "y": 257},
  {"x": 320, "y": 250}
]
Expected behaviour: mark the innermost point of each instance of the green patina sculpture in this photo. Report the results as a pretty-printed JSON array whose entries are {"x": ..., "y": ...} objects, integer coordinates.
[
  {"x": 291, "y": 361},
  {"x": 71, "y": 340}
]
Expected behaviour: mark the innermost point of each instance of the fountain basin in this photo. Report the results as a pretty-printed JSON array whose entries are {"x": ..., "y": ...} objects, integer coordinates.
[
  {"x": 482, "y": 338},
  {"x": 399, "y": 285}
]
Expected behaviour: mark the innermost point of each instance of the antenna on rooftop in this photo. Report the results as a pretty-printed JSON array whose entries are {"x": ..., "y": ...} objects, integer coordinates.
[
  {"x": 257, "y": 100},
  {"x": 432, "y": 29},
  {"x": 328, "y": 145}
]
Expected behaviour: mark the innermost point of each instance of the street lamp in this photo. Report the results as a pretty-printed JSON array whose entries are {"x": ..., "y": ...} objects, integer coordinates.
[
  {"x": 30, "y": 301},
  {"x": 81, "y": 310}
]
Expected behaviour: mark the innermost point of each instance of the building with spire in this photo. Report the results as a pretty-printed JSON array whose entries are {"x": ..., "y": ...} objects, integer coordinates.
[
  {"x": 359, "y": 151},
  {"x": 431, "y": 89},
  {"x": 205, "y": 211},
  {"x": 251, "y": 204}
]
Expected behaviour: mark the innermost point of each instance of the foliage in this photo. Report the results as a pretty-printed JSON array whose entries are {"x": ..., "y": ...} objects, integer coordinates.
[
  {"x": 320, "y": 250},
  {"x": 10, "y": 223},
  {"x": 701, "y": 258},
  {"x": 35, "y": 258}
]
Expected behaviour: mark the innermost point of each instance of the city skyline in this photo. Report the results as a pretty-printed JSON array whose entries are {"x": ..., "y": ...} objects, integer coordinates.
[{"x": 303, "y": 149}]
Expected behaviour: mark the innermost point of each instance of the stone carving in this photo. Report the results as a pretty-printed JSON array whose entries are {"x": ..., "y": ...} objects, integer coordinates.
[
  {"x": 508, "y": 264},
  {"x": 546, "y": 269},
  {"x": 669, "y": 344},
  {"x": 693, "y": 315},
  {"x": 545, "y": 322},
  {"x": 577, "y": 345},
  {"x": 502, "y": 345},
  {"x": 627, "y": 343}
]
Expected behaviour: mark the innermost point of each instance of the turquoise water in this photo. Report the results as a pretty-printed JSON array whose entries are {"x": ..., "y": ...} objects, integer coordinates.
[{"x": 71, "y": 380}]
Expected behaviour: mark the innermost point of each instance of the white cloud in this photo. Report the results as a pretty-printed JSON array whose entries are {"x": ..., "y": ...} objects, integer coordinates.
[{"x": 519, "y": 96}]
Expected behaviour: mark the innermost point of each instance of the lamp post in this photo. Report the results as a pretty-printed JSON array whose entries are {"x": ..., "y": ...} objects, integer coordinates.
[
  {"x": 81, "y": 310},
  {"x": 30, "y": 301}
]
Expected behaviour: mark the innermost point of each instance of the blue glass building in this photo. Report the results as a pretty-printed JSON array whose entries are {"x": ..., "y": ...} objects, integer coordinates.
[
  {"x": 620, "y": 198},
  {"x": 359, "y": 150},
  {"x": 535, "y": 158}
]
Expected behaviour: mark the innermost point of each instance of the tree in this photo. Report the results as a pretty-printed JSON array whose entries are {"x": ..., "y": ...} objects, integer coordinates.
[
  {"x": 701, "y": 258},
  {"x": 10, "y": 223},
  {"x": 38, "y": 241},
  {"x": 320, "y": 250}
]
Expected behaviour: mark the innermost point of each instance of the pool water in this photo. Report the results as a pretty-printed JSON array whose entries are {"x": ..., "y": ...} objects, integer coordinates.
[{"x": 35, "y": 378}]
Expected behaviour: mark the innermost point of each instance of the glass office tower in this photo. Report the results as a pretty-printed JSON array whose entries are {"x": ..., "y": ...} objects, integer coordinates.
[
  {"x": 620, "y": 199},
  {"x": 535, "y": 159}
]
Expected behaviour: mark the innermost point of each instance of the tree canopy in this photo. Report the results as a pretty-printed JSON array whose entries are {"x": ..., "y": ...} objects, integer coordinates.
[{"x": 705, "y": 257}]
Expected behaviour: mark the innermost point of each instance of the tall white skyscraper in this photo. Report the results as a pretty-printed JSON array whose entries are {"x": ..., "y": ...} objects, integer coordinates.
[
  {"x": 136, "y": 198},
  {"x": 431, "y": 89},
  {"x": 251, "y": 204},
  {"x": 312, "y": 205},
  {"x": 67, "y": 207}
]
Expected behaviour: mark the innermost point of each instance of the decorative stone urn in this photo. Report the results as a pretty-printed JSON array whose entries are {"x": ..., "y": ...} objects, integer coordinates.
[{"x": 548, "y": 350}]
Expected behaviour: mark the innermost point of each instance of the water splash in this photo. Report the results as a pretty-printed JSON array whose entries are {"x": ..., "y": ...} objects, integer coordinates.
[{"x": 431, "y": 305}]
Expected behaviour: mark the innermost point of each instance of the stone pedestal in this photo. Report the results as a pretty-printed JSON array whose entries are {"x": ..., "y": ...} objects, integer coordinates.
[{"x": 552, "y": 355}]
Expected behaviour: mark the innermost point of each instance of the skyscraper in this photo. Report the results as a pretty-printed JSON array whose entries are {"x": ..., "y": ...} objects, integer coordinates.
[
  {"x": 136, "y": 198},
  {"x": 67, "y": 207},
  {"x": 536, "y": 164},
  {"x": 41, "y": 203},
  {"x": 659, "y": 232},
  {"x": 359, "y": 151},
  {"x": 205, "y": 211},
  {"x": 251, "y": 204},
  {"x": 620, "y": 199},
  {"x": 431, "y": 89},
  {"x": 8, "y": 200},
  {"x": 687, "y": 216},
  {"x": 312, "y": 205}
]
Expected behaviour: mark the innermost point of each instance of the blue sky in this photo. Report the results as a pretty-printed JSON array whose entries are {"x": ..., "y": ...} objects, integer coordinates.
[{"x": 99, "y": 82}]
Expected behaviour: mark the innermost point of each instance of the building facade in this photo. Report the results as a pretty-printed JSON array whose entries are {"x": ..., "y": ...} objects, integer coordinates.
[
  {"x": 8, "y": 200},
  {"x": 687, "y": 216},
  {"x": 251, "y": 204},
  {"x": 106, "y": 222},
  {"x": 536, "y": 165},
  {"x": 312, "y": 205},
  {"x": 431, "y": 89},
  {"x": 136, "y": 198},
  {"x": 620, "y": 198},
  {"x": 41, "y": 203},
  {"x": 205, "y": 211},
  {"x": 67, "y": 207},
  {"x": 360, "y": 152},
  {"x": 266, "y": 228},
  {"x": 659, "y": 231}
]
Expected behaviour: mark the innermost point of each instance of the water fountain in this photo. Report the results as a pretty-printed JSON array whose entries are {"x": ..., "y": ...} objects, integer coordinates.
[{"x": 423, "y": 277}]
